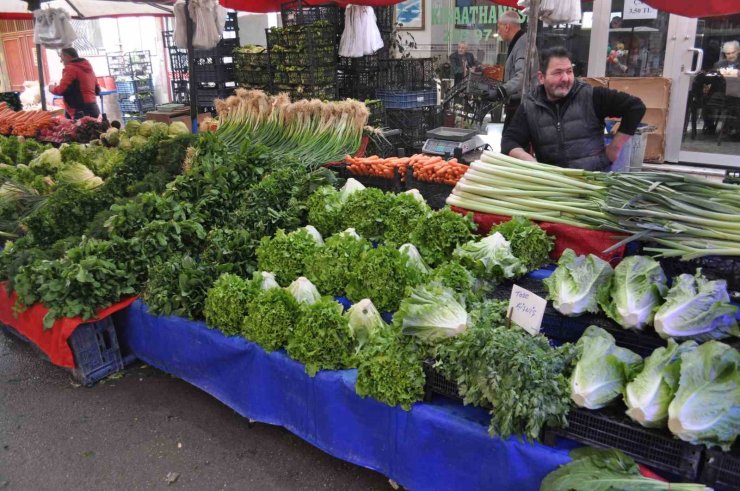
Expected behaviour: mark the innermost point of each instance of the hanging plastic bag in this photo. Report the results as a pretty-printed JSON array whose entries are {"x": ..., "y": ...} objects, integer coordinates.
[
  {"x": 361, "y": 35},
  {"x": 555, "y": 11},
  {"x": 53, "y": 29},
  {"x": 209, "y": 18},
  {"x": 181, "y": 28}
]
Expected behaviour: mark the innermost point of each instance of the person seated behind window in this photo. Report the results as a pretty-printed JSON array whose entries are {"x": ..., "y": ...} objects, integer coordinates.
[
  {"x": 731, "y": 50},
  {"x": 461, "y": 62}
]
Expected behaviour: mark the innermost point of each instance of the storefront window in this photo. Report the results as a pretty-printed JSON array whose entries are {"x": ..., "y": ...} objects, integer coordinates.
[
  {"x": 637, "y": 40},
  {"x": 575, "y": 37}
]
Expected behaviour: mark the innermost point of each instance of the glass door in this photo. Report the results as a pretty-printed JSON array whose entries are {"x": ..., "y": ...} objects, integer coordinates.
[{"x": 705, "y": 105}]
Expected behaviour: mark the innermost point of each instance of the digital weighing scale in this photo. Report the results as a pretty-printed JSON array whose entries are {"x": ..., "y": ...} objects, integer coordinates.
[{"x": 452, "y": 142}]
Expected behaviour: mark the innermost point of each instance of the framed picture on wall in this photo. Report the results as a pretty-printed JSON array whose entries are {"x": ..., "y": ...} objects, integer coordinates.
[{"x": 410, "y": 14}]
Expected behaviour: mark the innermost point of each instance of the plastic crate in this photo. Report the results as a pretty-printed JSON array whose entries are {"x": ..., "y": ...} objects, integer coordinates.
[
  {"x": 369, "y": 63},
  {"x": 214, "y": 73},
  {"x": 137, "y": 106},
  {"x": 401, "y": 99},
  {"x": 414, "y": 124},
  {"x": 437, "y": 384},
  {"x": 384, "y": 18},
  {"x": 180, "y": 91},
  {"x": 301, "y": 39},
  {"x": 205, "y": 97},
  {"x": 232, "y": 22},
  {"x": 732, "y": 177},
  {"x": 311, "y": 76},
  {"x": 407, "y": 74},
  {"x": 134, "y": 86},
  {"x": 297, "y": 13},
  {"x": 357, "y": 85},
  {"x": 95, "y": 348},
  {"x": 434, "y": 193},
  {"x": 377, "y": 112},
  {"x": 713, "y": 267},
  {"x": 393, "y": 185},
  {"x": 96, "y": 351},
  {"x": 611, "y": 428},
  {"x": 721, "y": 470}
]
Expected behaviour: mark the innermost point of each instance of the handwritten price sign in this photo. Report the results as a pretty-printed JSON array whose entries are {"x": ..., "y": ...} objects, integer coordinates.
[
  {"x": 635, "y": 9},
  {"x": 526, "y": 309}
]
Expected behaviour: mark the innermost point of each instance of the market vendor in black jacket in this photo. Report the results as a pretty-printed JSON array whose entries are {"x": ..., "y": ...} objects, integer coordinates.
[{"x": 563, "y": 118}]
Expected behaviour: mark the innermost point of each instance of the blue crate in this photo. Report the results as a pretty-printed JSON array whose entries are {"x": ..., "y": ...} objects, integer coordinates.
[
  {"x": 137, "y": 106},
  {"x": 96, "y": 351},
  {"x": 400, "y": 99},
  {"x": 134, "y": 86}
]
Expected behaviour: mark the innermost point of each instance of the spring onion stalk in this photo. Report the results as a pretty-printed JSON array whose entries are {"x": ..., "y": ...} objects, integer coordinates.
[{"x": 311, "y": 131}]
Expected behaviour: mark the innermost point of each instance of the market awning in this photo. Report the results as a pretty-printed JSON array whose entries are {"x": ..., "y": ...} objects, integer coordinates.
[
  {"x": 91, "y": 9},
  {"x": 266, "y": 6},
  {"x": 705, "y": 8}
]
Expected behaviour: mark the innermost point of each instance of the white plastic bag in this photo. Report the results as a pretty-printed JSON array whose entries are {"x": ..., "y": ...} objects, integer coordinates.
[
  {"x": 361, "y": 35},
  {"x": 53, "y": 29},
  {"x": 556, "y": 11},
  {"x": 181, "y": 28},
  {"x": 209, "y": 19}
]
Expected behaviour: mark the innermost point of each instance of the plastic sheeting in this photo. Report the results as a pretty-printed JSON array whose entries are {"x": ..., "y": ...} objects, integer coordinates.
[{"x": 440, "y": 445}]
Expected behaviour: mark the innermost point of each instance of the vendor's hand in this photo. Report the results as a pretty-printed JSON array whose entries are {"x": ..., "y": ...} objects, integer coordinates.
[
  {"x": 612, "y": 152},
  {"x": 52, "y": 86}
]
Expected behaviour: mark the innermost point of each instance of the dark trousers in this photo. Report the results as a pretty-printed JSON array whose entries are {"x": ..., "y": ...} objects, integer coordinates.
[
  {"x": 509, "y": 110},
  {"x": 87, "y": 109}
]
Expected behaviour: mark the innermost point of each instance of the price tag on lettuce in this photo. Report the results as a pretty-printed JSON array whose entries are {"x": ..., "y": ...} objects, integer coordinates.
[{"x": 526, "y": 309}]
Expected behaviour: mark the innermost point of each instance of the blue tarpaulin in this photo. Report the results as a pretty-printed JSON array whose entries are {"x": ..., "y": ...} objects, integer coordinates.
[{"x": 438, "y": 445}]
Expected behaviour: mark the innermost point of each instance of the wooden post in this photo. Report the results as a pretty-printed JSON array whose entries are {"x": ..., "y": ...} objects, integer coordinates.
[{"x": 534, "y": 15}]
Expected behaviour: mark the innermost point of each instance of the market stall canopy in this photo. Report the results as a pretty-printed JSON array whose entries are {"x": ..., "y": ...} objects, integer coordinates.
[
  {"x": 266, "y": 6},
  {"x": 705, "y": 8},
  {"x": 91, "y": 9}
]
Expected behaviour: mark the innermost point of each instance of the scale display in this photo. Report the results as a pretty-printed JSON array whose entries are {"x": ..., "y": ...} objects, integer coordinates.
[{"x": 444, "y": 141}]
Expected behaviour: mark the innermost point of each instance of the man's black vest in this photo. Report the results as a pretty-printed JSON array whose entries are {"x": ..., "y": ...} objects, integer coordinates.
[{"x": 567, "y": 134}]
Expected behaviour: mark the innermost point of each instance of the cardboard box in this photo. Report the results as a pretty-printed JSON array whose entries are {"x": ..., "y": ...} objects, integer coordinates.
[
  {"x": 655, "y": 92},
  {"x": 596, "y": 81},
  {"x": 655, "y": 149}
]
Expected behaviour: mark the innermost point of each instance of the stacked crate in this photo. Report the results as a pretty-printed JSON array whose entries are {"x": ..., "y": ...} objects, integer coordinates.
[
  {"x": 214, "y": 69},
  {"x": 303, "y": 53},
  {"x": 133, "y": 74}
]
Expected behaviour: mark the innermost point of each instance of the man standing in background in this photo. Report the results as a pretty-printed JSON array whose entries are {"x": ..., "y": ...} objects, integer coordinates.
[
  {"x": 461, "y": 62},
  {"x": 510, "y": 92}
]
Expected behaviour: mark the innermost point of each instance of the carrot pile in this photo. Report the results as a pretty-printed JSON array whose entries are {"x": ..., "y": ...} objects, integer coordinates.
[
  {"x": 429, "y": 168},
  {"x": 22, "y": 123},
  {"x": 377, "y": 167}
]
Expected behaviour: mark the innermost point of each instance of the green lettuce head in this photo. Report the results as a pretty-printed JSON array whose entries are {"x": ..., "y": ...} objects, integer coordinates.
[
  {"x": 697, "y": 308},
  {"x": 578, "y": 282},
  {"x": 706, "y": 408},
  {"x": 637, "y": 288}
]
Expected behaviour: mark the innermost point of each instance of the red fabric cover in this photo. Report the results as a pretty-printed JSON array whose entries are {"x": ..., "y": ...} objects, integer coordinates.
[
  {"x": 705, "y": 8},
  {"x": 52, "y": 341},
  {"x": 650, "y": 474},
  {"x": 581, "y": 240}
]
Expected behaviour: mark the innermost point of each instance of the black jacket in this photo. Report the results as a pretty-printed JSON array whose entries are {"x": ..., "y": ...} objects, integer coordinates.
[{"x": 571, "y": 134}]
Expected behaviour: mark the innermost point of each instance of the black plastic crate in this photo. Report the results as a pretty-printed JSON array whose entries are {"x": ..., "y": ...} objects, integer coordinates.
[
  {"x": 214, "y": 73},
  {"x": 310, "y": 76},
  {"x": 721, "y": 470},
  {"x": 297, "y": 13},
  {"x": 244, "y": 60},
  {"x": 205, "y": 97},
  {"x": 384, "y": 18},
  {"x": 407, "y": 74},
  {"x": 377, "y": 112},
  {"x": 437, "y": 384},
  {"x": 414, "y": 124},
  {"x": 324, "y": 92},
  {"x": 317, "y": 57},
  {"x": 434, "y": 193},
  {"x": 357, "y": 85},
  {"x": 713, "y": 267},
  {"x": 180, "y": 91},
  {"x": 232, "y": 22},
  {"x": 732, "y": 177},
  {"x": 611, "y": 428},
  {"x": 393, "y": 185},
  {"x": 301, "y": 39},
  {"x": 369, "y": 63}
]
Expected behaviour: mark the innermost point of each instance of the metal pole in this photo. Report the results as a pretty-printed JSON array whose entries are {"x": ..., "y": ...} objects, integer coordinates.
[
  {"x": 40, "y": 63},
  {"x": 35, "y": 5},
  {"x": 192, "y": 82},
  {"x": 534, "y": 15}
]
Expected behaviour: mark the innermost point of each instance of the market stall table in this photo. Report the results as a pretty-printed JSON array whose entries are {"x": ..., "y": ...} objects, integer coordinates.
[{"x": 439, "y": 445}]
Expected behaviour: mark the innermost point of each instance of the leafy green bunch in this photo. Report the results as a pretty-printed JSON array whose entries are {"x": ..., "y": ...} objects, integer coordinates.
[
  {"x": 440, "y": 233},
  {"x": 227, "y": 301},
  {"x": 331, "y": 267},
  {"x": 271, "y": 315},
  {"x": 286, "y": 255},
  {"x": 529, "y": 243},
  {"x": 178, "y": 286}
]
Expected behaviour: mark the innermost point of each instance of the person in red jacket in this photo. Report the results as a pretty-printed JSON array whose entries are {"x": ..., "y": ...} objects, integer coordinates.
[{"x": 79, "y": 86}]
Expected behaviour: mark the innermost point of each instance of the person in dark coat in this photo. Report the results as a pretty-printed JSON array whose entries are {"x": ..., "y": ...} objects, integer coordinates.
[
  {"x": 563, "y": 118},
  {"x": 461, "y": 62}
]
